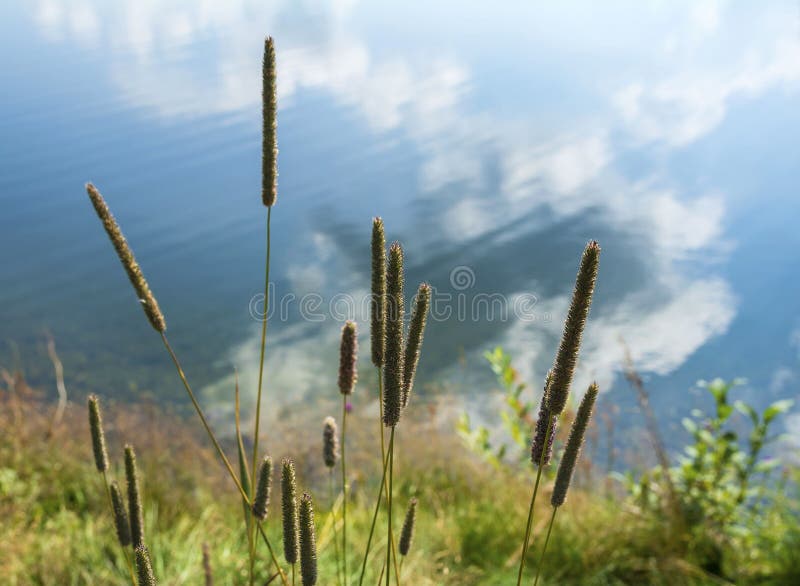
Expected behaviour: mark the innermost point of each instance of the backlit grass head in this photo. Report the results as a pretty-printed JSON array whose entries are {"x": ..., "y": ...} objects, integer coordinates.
[
  {"x": 263, "y": 489},
  {"x": 416, "y": 331},
  {"x": 541, "y": 441},
  {"x": 144, "y": 567},
  {"x": 121, "y": 523},
  {"x": 378, "y": 301},
  {"x": 393, "y": 360},
  {"x": 407, "y": 533},
  {"x": 134, "y": 498},
  {"x": 289, "y": 511},
  {"x": 573, "y": 448},
  {"x": 567, "y": 356},
  {"x": 308, "y": 541},
  {"x": 269, "y": 138},
  {"x": 348, "y": 356},
  {"x": 98, "y": 437},
  {"x": 146, "y": 298},
  {"x": 330, "y": 442}
]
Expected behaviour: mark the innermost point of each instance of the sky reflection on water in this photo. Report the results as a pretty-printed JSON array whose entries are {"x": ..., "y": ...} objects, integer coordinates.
[{"x": 496, "y": 140}]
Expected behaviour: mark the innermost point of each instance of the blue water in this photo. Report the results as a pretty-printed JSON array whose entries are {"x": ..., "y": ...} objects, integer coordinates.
[{"x": 494, "y": 142}]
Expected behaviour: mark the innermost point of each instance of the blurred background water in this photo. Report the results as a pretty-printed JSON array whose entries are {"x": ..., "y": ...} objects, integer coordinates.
[{"x": 494, "y": 142}]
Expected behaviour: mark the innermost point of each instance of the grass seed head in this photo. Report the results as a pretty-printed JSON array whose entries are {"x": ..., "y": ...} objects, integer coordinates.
[
  {"x": 393, "y": 360},
  {"x": 125, "y": 254},
  {"x": 269, "y": 138},
  {"x": 144, "y": 568},
  {"x": 407, "y": 533},
  {"x": 538, "y": 445},
  {"x": 308, "y": 542},
  {"x": 121, "y": 523},
  {"x": 348, "y": 357},
  {"x": 289, "y": 511},
  {"x": 98, "y": 437},
  {"x": 573, "y": 448},
  {"x": 416, "y": 332},
  {"x": 330, "y": 442},
  {"x": 263, "y": 489},
  {"x": 567, "y": 356},
  {"x": 378, "y": 300},
  {"x": 134, "y": 498}
]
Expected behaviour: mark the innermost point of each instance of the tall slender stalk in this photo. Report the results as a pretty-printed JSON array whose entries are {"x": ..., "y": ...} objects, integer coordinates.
[
  {"x": 335, "y": 530},
  {"x": 389, "y": 509},
  {"x": 348, "y": 375},
  {"x": 269, "y": 194},
  {"x": 544, "y": 549},
  {"x": 529, "y": 522},
  {"x": 375, "y": 514},
  {"x": 344, "y": 491}
]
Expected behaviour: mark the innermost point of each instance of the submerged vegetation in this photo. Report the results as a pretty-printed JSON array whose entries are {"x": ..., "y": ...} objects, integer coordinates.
[{"x": 715, "y": 518}]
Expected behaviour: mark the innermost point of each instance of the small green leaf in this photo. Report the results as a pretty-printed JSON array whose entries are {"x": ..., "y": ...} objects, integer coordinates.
[{"x": 776, "y": 409}]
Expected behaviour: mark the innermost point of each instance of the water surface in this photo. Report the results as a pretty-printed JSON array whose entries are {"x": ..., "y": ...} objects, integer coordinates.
[{"x": 495, "y": 143}]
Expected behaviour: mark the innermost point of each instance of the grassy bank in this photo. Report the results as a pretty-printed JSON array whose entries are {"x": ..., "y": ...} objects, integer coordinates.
[{"x": 57, "y": 529}]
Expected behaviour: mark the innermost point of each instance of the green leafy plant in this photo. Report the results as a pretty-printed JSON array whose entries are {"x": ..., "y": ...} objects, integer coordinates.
[{"x": 516, "y": 416}]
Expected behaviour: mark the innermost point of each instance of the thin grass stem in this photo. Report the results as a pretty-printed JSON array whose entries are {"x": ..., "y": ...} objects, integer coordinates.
[
  {"x": 529, "y": 522},
  {"x": 256, "y": 431},
  {"x": 203, "y": 420},
  {"x": 335, "y": 531},
  {"x": 389, "y": 510},
  {"x": 344, "y": 491},
  {"x": 544, "y": 549},
  {"x": 377, "y": 508},
  {"x": 272, "y": 554}
]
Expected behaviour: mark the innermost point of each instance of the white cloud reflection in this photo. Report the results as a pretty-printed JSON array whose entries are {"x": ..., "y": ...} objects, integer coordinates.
[{"x": 570, "y": 171}]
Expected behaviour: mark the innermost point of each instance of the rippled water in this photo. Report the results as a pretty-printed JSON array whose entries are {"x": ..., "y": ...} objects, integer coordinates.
[{"x": 494, "y": 143}]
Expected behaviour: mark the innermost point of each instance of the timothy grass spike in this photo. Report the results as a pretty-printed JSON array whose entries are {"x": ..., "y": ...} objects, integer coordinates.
[
  {"x": 330, "y": 442},
  {"x": 125, "y": 254},
  {"x": 393, "y": 360},
  {"x": 348, "y": 356},
  {"x": 573, "y": 448},
  {"x": 98, "y": 437},
  {"x": 416, "y": 332},
  {"x": 121, "y": 522},
  {"x": 263, "y": 489},
  {"x": 378, "y": 300},
  {"x": 134, "y": 498},
  {"x": 308, "y": 541},
  {"x": 144, "y": 567},
  {"x": 407, "y": 532},
  {"x": 269, "y": 107},
  {"x": 567, "y": 355},
  {"x": 289, "y": 511},
  {"x": 541, "y": 441}
]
